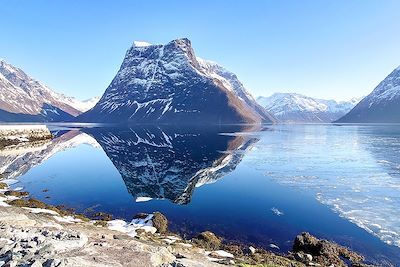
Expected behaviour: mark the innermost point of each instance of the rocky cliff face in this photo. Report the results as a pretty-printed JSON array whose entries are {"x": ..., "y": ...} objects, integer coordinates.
[
  {"x": 382, "y": 105},
  {"x": 168, "y": 84}
]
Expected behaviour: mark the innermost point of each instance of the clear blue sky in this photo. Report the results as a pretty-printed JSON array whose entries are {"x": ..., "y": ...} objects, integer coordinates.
[{"x": 328, "y": 49}]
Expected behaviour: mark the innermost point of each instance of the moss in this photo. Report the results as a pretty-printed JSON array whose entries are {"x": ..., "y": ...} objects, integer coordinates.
[
  {"x": 101, "y": 216},
  {"x": 160, "y": 222},
  {"x": 16, "y": 193},
  {"x": 101, "y": 223},
  {"x": 3, "y": 185},
  {"x": 234, "y": 249},
  {"x": 30, "y": 203},
  {"x": 34, "y": 203},
  {"x": 208, "y": 240},
  {"x": 82, "y": 217},
  {"x": 7, "y": 142}
]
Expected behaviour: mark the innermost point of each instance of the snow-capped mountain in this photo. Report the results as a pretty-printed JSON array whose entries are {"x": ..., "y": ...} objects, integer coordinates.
[
  {"x": 297, "y": 108},
  {"x": 158, "y": 163},
  {"x": 168, "y": 84},
  {"x": 84, "y": 105},
  {"x": 382, "y": 105},
  {"x": 23, "y": 98}
]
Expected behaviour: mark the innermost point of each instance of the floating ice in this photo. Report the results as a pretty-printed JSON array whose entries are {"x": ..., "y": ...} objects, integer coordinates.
[
  {"x": 352, "y": 169},
  {"x": 277, "y": 212}
]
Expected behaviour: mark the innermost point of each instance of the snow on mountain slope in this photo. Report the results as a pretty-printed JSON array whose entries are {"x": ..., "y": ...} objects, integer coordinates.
[
  {"x": 231, "y": 82},
  {"x": 168, "y": 84},
  {"x": 84, "y": 105},
  {"x": 381, "y": 106},
  {"x": 297, "y": 108},
  {"x": 23, "y": 98}
]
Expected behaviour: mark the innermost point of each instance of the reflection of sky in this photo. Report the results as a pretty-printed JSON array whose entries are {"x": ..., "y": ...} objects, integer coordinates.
[
  {"x": 337, "y": 166},
  {"x": 305, "y": 162}
]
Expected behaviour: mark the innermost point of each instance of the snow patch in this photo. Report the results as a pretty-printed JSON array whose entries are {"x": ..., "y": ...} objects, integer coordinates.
[
  {"x": 130, "y": 228},
  {"x": 141, "y": 44}
]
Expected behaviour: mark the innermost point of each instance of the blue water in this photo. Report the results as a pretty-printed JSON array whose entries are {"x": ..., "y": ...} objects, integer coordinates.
[{"x": 254, "y": 186}]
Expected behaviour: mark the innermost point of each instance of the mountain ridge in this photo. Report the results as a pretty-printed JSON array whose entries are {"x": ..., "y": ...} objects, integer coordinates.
[
  {"x": 298, "y": 108},
  {"x": 168, "y": 84},
  {"x": 23, "y": 98},
  {"x": 382, "y": 105}
]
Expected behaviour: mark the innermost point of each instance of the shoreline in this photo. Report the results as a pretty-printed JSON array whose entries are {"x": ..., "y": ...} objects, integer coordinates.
[
  {"x": 150, "y": 230},
  {"x": 14, "y": 135}
]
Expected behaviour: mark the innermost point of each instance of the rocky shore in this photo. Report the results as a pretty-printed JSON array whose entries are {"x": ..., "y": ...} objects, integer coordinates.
[
  {"x": 13, "y": 135},
  {"x": 33, "y": 233}
]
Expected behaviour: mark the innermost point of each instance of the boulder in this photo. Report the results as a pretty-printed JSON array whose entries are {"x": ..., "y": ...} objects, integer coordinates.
[
  {"x": 308, "y": 248},
  {"x": 160, "y": 222},
  {"x": 208, "y": 240}
]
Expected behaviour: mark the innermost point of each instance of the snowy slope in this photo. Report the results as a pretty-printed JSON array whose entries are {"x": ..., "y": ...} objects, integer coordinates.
[
  {"x": 84, "y": 105},
  {"x": 297, "y": 108},
  {"x": 23, "y": 98},
  {"x": 382, "y": 105},
  {"x": 168, "y": 84}
]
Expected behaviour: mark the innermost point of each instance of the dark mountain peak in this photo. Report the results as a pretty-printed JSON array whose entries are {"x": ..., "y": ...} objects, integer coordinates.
[{"x": 168, "y": 84}]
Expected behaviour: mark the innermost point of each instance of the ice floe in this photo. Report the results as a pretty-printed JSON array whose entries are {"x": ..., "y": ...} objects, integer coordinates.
[{"x": 353, "y": 171}]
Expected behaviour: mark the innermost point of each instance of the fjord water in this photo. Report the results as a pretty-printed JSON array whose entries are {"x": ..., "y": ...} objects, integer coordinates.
[{"x": 258, "y": 186}]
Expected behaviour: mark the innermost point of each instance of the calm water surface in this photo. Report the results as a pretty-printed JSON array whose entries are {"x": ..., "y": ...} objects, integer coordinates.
[{"x": 260, "y": 186}]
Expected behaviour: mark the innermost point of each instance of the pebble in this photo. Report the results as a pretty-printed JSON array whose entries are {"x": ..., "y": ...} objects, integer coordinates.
[{"x": 252, "y": 250}]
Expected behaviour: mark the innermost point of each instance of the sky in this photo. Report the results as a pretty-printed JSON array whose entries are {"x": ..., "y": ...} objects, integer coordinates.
[{"x": 328, "y": 49}]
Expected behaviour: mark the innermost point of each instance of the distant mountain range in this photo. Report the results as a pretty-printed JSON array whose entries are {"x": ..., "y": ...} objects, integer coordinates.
[
  {"x": 23, "y": 98},
  {"x": 381, "y": 106},
  {"x": 297, "y": 108},
  {"x": 168, "y": 84}
]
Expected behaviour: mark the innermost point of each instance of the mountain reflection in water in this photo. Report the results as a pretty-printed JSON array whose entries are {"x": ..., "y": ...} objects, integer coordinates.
[
  {"x": 154, "y": 163},
  {"x": 335, "y": 182}
]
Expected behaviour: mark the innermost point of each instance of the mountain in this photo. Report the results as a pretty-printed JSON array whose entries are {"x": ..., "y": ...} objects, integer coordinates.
[
  {"x": 169, "y": 163},
  {"x": 167, "y": 84},
  {"x": 23, "y": 98},
  {"x": 381, "y": 106},
  {"x": 84, "y": 105},
  {"x": 297, "y": 108}
]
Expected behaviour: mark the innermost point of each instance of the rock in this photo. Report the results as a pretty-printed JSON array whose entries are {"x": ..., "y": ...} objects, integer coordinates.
[
  {"x": 36, "y": 264},
  {"x": 252, "y": 250},
  {"x": 140, "y": 215},
  {"x": 307, "y": 248},
  {"x": 234, "y": 249},
  {"x": 3, "y": 185},
  {"x": 208, "y": 240},
  {"x": 52, "y": 263},
  {"x": 16, "y": 193},
  {"x": 102, "y": 216},
  {"x": 160, "y": 222}
]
